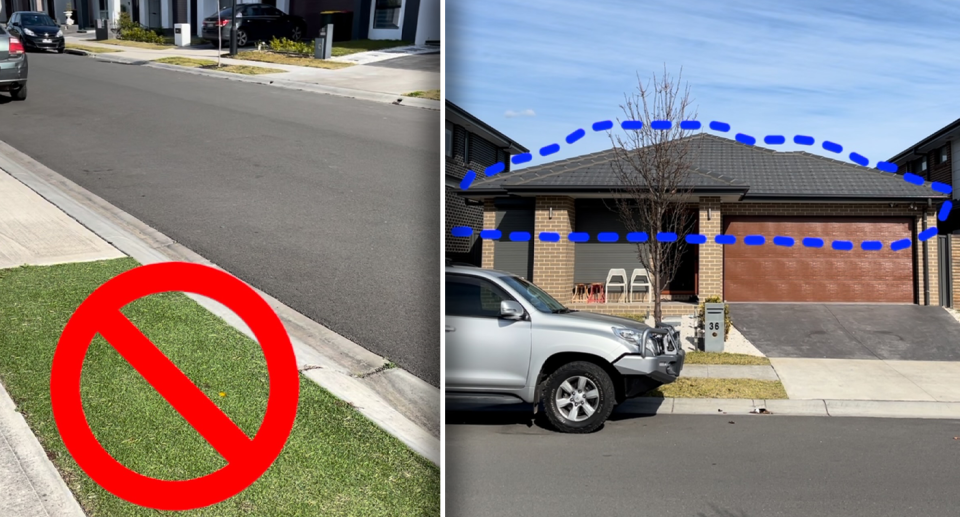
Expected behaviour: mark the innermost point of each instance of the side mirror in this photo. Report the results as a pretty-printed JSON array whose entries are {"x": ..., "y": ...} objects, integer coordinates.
[{"x": 511, "y": 310}]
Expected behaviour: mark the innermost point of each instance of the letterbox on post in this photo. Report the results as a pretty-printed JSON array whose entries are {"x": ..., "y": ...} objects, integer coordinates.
[
  {"x": 324, "y": 43},
  {"x": 713, "y": 327}
]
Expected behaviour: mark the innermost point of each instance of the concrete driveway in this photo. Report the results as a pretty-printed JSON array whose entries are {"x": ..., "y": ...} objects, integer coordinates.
[{"x": 849, "y": 331}]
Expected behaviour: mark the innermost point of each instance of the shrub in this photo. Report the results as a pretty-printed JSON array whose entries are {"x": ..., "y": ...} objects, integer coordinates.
[
  {"x": 293, "y": 47},
  {"x": 132, "y": 31},
  {"x": 701, "y": 315}
]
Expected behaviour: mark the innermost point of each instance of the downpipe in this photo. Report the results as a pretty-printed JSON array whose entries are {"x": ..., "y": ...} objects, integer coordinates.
[{"x": 926, "y": 259}]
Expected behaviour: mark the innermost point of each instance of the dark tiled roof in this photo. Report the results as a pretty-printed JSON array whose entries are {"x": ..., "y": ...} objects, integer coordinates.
[{"x": 721, "y": 162}]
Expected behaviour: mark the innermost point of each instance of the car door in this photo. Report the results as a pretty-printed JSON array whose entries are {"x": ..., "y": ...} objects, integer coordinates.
[
  {"x": 12, "y": 25},
  {"x": 483, "y": 350},
  {"x": 273, "y": 24},
  {"x": 253, "y": 23}
]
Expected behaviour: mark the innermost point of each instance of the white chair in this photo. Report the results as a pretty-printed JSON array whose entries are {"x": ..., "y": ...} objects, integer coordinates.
[
  {"x": 639, "y": 278},
  {"x": 614, "y": 273}
]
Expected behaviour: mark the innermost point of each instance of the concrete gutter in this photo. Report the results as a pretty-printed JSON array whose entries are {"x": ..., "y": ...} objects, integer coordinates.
[
  {"x": 395, "y": 400},
  {"x": 836, "y": 408},
  {"x": 271, "y": 80}
]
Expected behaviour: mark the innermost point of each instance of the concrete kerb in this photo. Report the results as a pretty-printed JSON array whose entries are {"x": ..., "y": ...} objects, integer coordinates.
[
  {"x": 400, "y": 403},
  {"x": 783, "y": 407},
  {"x": 38, "y": 483},
  {"x": 273, "y": 80}
]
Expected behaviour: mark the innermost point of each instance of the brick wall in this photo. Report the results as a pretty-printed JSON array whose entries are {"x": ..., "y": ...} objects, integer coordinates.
[
  {"x": 482, "y": 154},
  {"x": 870, "y": 209},
  {"x": 955, "y": 255},
  {"x": 711, "y": 253},
  {"x": 553, "y": 261},
  {"x": 490, "y": 223}
]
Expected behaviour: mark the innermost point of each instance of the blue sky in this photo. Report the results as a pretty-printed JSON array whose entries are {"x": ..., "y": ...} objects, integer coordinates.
[{"x": 874, "y": 76}]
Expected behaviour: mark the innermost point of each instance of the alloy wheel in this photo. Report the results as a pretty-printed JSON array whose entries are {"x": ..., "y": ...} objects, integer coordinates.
[{"x": 578, "y": 398}]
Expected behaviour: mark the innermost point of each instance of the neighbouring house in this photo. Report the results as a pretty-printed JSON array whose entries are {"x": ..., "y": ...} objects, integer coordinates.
[
  {"x": 933, "y": 160},
  {"x": 471, "y": 144},
  {"x": 737, "y": 190},
  {"x": 8, "y": 7},
  {"x": 417, "y": 21}
]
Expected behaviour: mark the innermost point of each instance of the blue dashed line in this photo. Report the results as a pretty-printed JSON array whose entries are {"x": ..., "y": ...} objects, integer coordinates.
[
  {"x": 832, "y": 147},
  {"x": 547, "y": 150},
  {"x": 608, "y": 237},
  {"x": 810, "y": 242},
  {"x": 603, "y": 125},
  {"x": 576, "y": 135},
  {"x": 720, "y": 126},
  {"x": 496, "y": 168},
  {"x": 927, "y": 234}
]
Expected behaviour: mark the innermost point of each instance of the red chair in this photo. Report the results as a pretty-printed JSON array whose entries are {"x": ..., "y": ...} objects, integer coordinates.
[{"x": 595, "y": 293}]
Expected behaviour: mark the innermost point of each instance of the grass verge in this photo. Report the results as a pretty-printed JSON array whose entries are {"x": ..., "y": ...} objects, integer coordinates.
[
  {"x": 698, "y": 357},
  {"x": 93, "y": 50},
  {"x": 429, "y": 94},
  {"x": 701, "y": 388},
  {"x": 281, "y": 59},
  {"x": 345, "y": 48},
  {"x": 336, "y": 462},
  {"x": 212, "y": 65},
  {"x": 136, "y": 44}
]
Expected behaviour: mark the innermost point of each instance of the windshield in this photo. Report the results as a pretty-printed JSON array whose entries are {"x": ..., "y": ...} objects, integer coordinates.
[
  {"x": 536, "y": 296},
  {"x": 37, "y": 19}
]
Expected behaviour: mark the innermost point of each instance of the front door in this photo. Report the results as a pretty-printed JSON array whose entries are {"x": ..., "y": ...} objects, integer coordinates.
[
  {"x": 153, "y": 8},
  {"x": 483, "y": 350}
]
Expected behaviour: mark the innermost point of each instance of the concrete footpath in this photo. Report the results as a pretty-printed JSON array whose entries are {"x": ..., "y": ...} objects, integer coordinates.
[
  {"x": 823, "y": 407},
  {"x": 368, "y": 80}
]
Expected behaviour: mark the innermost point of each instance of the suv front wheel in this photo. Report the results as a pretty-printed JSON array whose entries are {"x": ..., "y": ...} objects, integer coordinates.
[{"x": 578, "y": 397}]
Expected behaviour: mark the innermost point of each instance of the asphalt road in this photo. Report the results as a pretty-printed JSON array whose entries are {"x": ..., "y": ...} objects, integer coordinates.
[
  {"x": 330, "y": 204},
  {"x": 675, "y": 465}
]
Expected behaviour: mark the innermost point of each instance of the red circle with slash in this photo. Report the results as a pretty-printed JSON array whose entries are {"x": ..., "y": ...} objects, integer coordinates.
[{"x": 247, "y": 459}]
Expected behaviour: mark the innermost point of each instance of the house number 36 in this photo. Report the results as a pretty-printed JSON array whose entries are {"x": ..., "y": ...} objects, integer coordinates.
[{"x": 714, "y": 325}]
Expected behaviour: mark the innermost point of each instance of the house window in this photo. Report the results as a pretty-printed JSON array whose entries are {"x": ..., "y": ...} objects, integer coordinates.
[
  {"x": 942, "y": 155},
  {"x": 920, "y": 165},
  {"x": 449, "y": 142},
  {"x": 387, "y": 14},
  {"x": 466, "y": 148}
]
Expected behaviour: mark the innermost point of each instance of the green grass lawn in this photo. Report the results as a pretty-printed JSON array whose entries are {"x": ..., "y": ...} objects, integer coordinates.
[
  {"x": 212, "y": 65},
  {"x": 94, "y": 50},
  {"x": 270, "y": 57},
  {"x": 336, "y": 462},
  {"x": 345, "y": 48},
  {"x": 700, "y": 388},
  {"x": 428, "y": 94},
  {"x": 699, "y": 357},
  {"x": 137, "y": 44}
]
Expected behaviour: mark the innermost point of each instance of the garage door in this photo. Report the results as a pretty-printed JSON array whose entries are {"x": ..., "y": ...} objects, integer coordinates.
[{"x": 771, "y": 273}]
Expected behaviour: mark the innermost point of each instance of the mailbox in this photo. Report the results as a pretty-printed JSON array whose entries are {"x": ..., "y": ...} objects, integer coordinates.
[
  {"x": 181, "y": 35},
  {"x": 713, "y": 327},
  {"x": 324, "y": 42}
]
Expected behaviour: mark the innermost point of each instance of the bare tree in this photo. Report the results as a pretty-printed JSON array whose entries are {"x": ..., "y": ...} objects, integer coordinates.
[{"x": 653, "y": 166}]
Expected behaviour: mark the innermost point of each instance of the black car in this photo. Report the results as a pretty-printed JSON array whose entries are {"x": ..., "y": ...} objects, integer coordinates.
[
  {"x": 255, "y": 22},
  {"x": 37, "y": 30}
]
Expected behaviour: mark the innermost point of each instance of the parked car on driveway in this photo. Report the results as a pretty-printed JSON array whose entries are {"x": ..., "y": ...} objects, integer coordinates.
[
  {"x": 13, "y": 66},
  {"x": 37, "y": 31},
  {"x": 255, "y": 22},
  {"x": 508, "y": 341}
]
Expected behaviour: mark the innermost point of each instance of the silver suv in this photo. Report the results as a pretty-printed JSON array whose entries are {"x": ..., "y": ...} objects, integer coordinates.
[{"x": 510, "y": 342}]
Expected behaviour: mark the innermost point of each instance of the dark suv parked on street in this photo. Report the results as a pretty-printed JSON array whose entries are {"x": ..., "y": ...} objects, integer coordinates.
[{"x": 255, "y": 22}]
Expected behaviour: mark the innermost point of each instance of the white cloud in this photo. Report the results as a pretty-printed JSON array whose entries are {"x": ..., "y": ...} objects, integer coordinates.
[{"x": 524, "y": 113}]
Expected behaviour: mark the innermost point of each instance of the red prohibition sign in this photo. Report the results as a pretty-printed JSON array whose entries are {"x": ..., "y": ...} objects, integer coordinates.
[{"x": 246, "y": 459}]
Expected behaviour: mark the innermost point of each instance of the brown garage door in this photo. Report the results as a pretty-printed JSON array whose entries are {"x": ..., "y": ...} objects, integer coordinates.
[{"x": 771, "y": 273}]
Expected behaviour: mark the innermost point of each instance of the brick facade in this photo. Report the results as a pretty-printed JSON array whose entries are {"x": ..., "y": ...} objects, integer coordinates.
[
  {"x": 469, "y": 152},
  {"x": 553, "y": 264},
  {"x": 711, "y": 253}
]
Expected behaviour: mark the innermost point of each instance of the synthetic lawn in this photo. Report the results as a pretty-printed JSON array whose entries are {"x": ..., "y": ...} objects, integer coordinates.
[
  {"x": 701, "y": 388},
  {"x": 282, "y": 59},
  {"x": 429, "y": 94},
  {"x": 725, "y": 358},
  {"x": 208, "y": 64},
  {"x": 336, "y": 462}
]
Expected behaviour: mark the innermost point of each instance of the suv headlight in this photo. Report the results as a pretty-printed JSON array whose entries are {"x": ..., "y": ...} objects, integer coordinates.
[
  {"x": 60, "y": 34},
  {"x": 634, "y": 337},
  {"x": 29, "y": 32}
]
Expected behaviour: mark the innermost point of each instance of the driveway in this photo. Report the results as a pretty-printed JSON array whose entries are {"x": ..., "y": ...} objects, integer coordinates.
[
  {"x": 419, "y": 62},
  {"x": 849, "y": 331}
]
